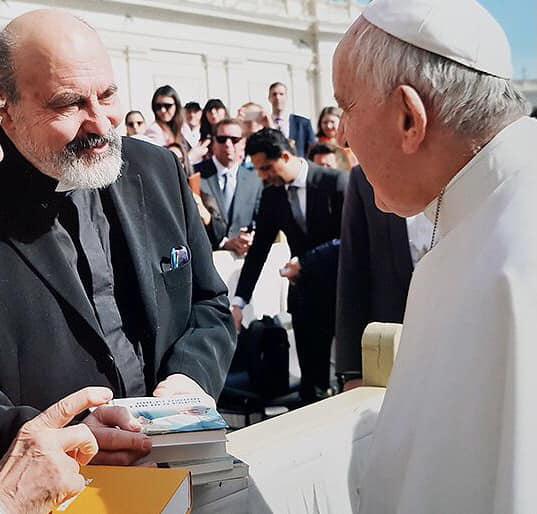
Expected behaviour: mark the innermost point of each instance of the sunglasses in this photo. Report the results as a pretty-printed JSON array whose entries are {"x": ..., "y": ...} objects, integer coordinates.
[
  {"x": 132, "y": 124},
  {"x": 166, "y": 107},
  {"x": 223, "y": 139}
]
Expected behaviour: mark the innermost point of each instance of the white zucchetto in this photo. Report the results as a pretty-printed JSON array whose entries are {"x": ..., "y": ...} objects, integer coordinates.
[{"x": 459, "y": 30}]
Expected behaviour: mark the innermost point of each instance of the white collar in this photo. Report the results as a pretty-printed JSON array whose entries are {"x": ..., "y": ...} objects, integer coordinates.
[
  {"x": 506, "y": 154},
  {"x": 302, "y": 177},
  {"x": 221, "y": 170}
]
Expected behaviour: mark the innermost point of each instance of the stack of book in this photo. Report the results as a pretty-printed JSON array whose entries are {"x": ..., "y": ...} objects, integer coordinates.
[{"x": 186, "y": 432}]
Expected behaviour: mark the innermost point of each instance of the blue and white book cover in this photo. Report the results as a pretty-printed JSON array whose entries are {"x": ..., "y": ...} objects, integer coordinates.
[{"x": 184, "y": 413}]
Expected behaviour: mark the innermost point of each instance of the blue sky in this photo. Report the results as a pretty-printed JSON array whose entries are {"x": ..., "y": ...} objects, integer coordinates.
[{"x": 519, "y": 20}]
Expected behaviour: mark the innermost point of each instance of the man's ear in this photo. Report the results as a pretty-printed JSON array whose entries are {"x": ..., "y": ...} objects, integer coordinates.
[
  {"x": 286, "y": 155},
  {"x": 412, "y": 118}
]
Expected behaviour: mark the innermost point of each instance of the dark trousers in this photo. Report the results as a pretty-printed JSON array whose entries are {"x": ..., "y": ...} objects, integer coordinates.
[{"x": 313, "y": 326}]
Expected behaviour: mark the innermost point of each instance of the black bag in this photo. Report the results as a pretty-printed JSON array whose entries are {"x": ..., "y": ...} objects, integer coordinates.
[{"x": 268, "y": 357}]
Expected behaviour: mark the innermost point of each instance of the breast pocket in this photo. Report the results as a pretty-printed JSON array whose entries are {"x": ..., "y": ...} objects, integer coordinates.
[{"x": 180, "y": 278}]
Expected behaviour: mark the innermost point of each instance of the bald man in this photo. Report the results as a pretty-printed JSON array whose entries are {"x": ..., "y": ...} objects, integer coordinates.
[{"x": 107, "y": 275}]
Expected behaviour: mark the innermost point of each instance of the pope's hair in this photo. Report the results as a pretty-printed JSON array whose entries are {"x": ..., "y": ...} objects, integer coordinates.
[
  {"x": 469, "y": 102},
  {"x": 8, "y": 85}
]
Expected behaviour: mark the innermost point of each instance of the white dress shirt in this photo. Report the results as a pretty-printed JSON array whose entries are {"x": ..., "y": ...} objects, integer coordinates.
[
  {"x": 231, "y": 172},
  {"x": 420, "y": 232},
  {"x": 283, "y": 125},
  {"x": 192, "y": 136},
  {"x": 300, "y": 182}
]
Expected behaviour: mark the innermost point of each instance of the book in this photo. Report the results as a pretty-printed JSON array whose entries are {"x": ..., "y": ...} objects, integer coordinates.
[
  {"x": 185, "y": 453},
  {"x": 131, "y": 490},
  {"x": 176, "y": 414}
]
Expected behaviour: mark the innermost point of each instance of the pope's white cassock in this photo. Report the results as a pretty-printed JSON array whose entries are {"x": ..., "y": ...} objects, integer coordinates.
[{"x": 458, "y": 429}]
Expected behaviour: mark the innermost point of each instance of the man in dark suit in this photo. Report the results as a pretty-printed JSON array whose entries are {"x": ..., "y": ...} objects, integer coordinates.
[
  {"x": 294, "y": 127},
  {"x": 376, "y": 261},
  {"x": 304, "y": 201},
  {"x": 107, "y": 275},
  {"x": 229, "y": 191}
]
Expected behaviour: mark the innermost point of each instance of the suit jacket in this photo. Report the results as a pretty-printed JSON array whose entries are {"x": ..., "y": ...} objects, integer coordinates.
[
  {"x": 374, "y": 274},
  {"x": 244, "y": 207},
  {"x": 325, "y": 190},
  {"x": 301, "y": 132},
  {"x": 52, "y": 343}
]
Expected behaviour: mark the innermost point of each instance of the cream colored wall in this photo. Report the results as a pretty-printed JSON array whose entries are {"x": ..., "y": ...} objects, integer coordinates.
[{"x": 229, "y": 49}]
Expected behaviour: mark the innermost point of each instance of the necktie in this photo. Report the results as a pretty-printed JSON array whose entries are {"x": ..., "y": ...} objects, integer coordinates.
[
  {"x": 228, "y": 191},
  {"x": 292, "y": 195}
]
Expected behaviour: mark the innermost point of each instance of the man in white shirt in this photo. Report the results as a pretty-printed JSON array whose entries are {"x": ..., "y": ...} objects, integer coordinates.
[
  {"x": 437, "y": 124},
  {"x": 294, "y": 127},
  {"x": 230, "y": 192}
]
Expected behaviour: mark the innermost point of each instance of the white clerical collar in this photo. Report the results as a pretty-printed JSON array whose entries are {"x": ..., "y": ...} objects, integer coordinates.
[
  {"x": 221, "y": 170},
  {"x": 63, "y": 188},
  {"x": 502, "y": 157},
  {"x": 301, "y": 179}
]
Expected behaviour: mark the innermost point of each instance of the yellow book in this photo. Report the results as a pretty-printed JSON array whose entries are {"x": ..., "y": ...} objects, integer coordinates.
[{"x": 132, "y": 490}]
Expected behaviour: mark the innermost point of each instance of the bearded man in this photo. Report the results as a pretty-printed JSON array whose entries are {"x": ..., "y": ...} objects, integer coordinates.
[
  {"x": 107, "y": 275},
  {"x": 438, "y": 126}
]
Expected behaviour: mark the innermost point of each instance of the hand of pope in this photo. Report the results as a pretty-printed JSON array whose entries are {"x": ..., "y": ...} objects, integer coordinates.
[
  {"x": 177, "y": 384},
  {"x": 41, "y": 468},
  {"x": 121, "y": 442}
]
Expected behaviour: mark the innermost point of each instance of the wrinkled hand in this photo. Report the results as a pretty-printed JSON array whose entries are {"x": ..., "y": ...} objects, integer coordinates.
[
  {"x": 291, "y": 270},
  {"x": 239, "y": 244},
  {"x": 41, "y": 468},
  {"x": 204, "y": 212},
  {"x": 121, "y": 442},
  {"x": 236, "y": 312},
  {"x": 178, "y": 384}
]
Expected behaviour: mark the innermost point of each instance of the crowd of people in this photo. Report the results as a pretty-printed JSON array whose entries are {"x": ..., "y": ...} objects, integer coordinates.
[{"x": 108, "y": 278}]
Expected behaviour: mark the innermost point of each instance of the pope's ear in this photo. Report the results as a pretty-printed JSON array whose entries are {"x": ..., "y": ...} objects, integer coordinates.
[{"x": 412, "y": 118}]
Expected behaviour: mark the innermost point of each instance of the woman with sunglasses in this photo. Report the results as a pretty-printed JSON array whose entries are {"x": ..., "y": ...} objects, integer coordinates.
[
  {"x": 166, "y": 129},
  {"x": 135, "y": 123}
]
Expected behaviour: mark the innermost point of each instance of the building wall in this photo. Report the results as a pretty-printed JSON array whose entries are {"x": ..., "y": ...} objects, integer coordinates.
[{"x": 229, "y": 49}]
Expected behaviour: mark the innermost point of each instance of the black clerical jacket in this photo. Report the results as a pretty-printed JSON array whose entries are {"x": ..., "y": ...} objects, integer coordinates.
[{"x": 51, "y": 343}]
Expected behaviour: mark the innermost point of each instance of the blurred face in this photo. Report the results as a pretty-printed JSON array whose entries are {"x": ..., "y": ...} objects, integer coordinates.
[
  {"x": 228, "y": 145},
  {"x": 327, "y": 160},
  {"x": 215, "y": 115},
  {"x": 165, "y": 108},
  {"x": 329, "y": 125},
  {"x": 64, "y": 122},
  {"x": 193, "y": 118},
  {"x": 135, "y": 124},
  {"x": 274, "y": 172},
  {"x": 278, "y": 98}
]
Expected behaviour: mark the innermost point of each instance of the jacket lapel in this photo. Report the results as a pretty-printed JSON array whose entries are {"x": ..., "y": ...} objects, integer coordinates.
[
  {"x": 127, "y": 197},
  {"x": 44, "y": 255},
  {"x": 312, "y": 199}
]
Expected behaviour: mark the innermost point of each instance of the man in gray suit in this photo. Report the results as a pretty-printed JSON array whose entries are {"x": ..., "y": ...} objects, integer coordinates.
[{"x": 230, "y": 192}]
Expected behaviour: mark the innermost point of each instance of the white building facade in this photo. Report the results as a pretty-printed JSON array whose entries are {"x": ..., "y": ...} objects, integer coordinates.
[{"x": 227, "y": 49}]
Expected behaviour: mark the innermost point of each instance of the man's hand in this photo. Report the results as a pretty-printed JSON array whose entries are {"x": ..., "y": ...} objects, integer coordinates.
[
  {"x": 121, "y": 442},
  {"x": 41, "y": 468},
  {"x": 239, "y": 244},
  {"x": 178, "y": 384},
  {"x": 198, "y": 152},
  {"x": 291, "y": 270},
  {"x": 204, "y": 212},
  {"x": 236, "y": 312}
]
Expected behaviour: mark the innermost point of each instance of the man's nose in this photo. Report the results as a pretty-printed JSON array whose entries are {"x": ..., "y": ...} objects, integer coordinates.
[{"x": 98, "y": 121}]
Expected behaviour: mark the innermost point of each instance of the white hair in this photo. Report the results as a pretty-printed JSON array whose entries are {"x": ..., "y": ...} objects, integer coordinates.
[{"x": 466, "y": 101}]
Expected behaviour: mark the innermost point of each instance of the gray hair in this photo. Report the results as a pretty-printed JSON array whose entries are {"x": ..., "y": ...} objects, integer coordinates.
[
  {"x": 8, "y": 84},
  {"x": 467, "y": 101}
]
